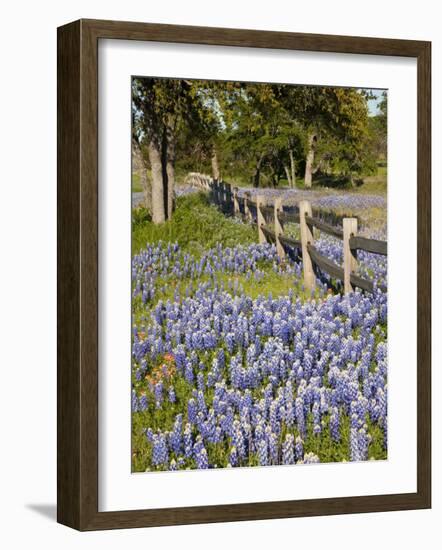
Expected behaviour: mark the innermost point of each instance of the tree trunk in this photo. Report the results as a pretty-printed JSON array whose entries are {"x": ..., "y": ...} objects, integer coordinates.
[
  {"x": 257, "y": 174},
  {"x": 289, "y": 176},
  {"x": 272, "y": 177},
  {"x": 309, "y": 161},
  {"x": 164, "y": 172},
  {"x": 215, "y": 164},
  {"x": 158, "y": 210},
  {"x": 170, "y": 172},
  {"x": 293, "y": 169},
  {"x": 147, "y": 190},
  {"x": 256, "y": 177},
  {"x": 140, "y": 166}
]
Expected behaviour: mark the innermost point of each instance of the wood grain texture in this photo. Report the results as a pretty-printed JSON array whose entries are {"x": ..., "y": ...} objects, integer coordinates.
[
  {"x": 306, "y": 229},
  {"x": 369, "y": 245},
  {"x": 325, "y": 227},
  {"x": 77, "y": 310},
  {"x": 260, "y": 219},
  {"x": 247, "y": 213},
  {"x": 350, "y": 227},
  {"x": 424, "y": 273},
  {"x": 186, "y": 34},
  {"x": 279, "y": 230},
  {"x": 236, "y": 209},
  {"x": 68, "y": 276}
]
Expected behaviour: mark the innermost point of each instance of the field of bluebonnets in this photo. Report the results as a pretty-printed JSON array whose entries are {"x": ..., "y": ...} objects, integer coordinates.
[{"x": 234, "y": 363}]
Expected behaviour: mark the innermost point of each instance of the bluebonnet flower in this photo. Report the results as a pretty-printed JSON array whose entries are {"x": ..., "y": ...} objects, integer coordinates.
[
  {"x": 160, "y": 454},
  {"x": 176, "y": 434},
  {"x": 238, "y": 440},
  {"x": 288, "y": 450},
  {"x": 233, "y": 457},
  {"x": 200, "y": 454},
  {"x": 188, "y": 441},
  {"x": 364, "y": 440},
  {"x": 172, "y": 396},
  {"x": 192, "y": 410},
  {"x": 158, "y": 394},
  {"x": 142, "y": 402},
  {"x": 201, "y": 402},
  {"x": 299, "y": 449},
  {"x": 262, "y": 452},
  {"x": 272, "y": 440},
  {"x": 299, "y": 413},
  {"x": 274, "y": 417},
  {"x": 189, "y": 371},
  {"x": 311, "y": 458},
  {"x": 149, "y": 435},
  {"x": 134, "y": 401},
  {"x": 303, "y": 360}
]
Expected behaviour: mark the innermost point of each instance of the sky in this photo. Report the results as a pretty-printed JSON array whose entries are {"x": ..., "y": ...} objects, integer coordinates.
[{"x": 373, "y": 103}]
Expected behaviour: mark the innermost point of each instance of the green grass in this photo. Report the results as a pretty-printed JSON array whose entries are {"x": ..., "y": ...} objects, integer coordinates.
[
  {"x": 373, "y": 185},
  {"x": 136, "y": 183},
  {"x": 376, "y": 184},
  {"x": 196, "y": 225}
]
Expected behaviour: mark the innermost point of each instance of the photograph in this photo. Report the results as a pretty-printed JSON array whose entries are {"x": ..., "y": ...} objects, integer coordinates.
[{"x": 259, "y": 274}]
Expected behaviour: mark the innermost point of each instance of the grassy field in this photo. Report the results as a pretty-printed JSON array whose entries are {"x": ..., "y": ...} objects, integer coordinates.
[{"x": 196, "y": 226}]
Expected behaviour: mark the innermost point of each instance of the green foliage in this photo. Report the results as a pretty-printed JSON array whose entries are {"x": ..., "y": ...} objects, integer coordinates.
[
  {"x": 261, "y": 133},
  {"x": 195, "y": 225},
  {"x": 140, "y": 216},
  {"x": 136, "y": 184}
]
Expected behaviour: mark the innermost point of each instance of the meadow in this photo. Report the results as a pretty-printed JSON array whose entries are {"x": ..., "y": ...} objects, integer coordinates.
[{"x": 234, "y": 363}]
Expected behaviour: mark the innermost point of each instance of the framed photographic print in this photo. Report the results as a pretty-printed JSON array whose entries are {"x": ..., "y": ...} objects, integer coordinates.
[{"x": 243, "y": 275}]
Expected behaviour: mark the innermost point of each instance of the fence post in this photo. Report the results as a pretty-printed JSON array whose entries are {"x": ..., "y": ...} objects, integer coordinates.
[
  {"x": 222, "y": 189},
  {"x": 305, "y": 209},
  {"x": 215, "y": 190},
  {"x": 228, "y": 188},
  {"x": 278, "y": 229},
  {"x": 247, "y": 212},
  {"x": 260, "y": 219},
  {"x": 350, "y": 228},
  {"x": 236, "y": 210},
  {"x": 218, "y": 192}
]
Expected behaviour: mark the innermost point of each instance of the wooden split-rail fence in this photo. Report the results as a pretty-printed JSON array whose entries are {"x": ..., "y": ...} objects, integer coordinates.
[
  {"x": 270, "y": 219},
  {"x": 196, "y": 179}
]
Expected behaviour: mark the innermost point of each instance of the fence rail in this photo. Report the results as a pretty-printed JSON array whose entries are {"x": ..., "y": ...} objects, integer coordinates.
[
  {"x": 289, "y": 241},
  {"x": 369, "y": 245},
  {"x": 270, "y": 220},
  {"x": 325, "y": 227},
  {"x": 288, "y": 217}
]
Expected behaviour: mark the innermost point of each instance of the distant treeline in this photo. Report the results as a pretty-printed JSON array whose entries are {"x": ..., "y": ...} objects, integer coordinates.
[{"x": 258, "y": 133}]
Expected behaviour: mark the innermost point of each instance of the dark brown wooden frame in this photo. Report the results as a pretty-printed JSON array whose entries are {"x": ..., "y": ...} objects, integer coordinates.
[{"x": 77, "y": 225}]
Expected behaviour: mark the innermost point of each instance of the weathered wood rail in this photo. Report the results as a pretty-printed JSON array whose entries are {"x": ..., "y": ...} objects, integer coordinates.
[
  {"x": 270, "y": 220},
  {"x": 195, "y": 179}
]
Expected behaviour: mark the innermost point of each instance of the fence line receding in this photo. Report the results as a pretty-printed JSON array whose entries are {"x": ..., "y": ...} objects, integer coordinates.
[{"x": 270, "y": 220}]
